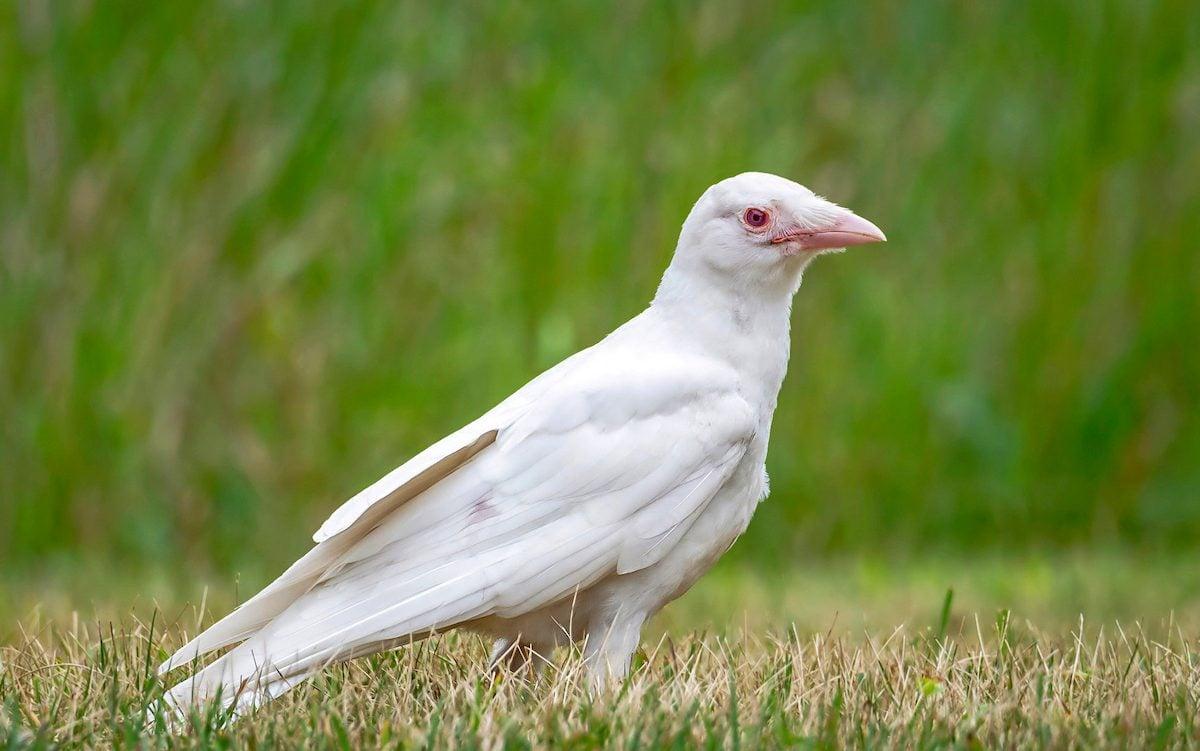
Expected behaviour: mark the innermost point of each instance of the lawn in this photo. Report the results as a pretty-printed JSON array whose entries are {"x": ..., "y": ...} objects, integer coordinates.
[
  {"x": 252, "y": 258},
  {"x": 899, "y": 688},
  {"x": 253, "y": 255},
  {"x": 989, "y": 653}
]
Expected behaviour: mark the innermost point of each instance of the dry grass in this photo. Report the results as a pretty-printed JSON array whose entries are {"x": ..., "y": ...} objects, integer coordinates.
[{"x": 990, "y": 685}]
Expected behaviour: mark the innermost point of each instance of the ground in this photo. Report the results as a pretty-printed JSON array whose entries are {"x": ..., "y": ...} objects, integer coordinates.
[{"x": 822, "y": 655}]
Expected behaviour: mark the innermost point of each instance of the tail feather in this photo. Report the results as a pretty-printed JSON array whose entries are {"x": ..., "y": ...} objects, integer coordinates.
[
  {"x": 242, "y": 671},
  {"x": 430, "y": 475},
  {"x": 259, "y": 610},
  {"x": 220, "y": 682},
  {"x": 329, "y": 624}
]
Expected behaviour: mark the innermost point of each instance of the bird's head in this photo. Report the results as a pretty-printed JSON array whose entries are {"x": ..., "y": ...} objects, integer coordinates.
[{"x": 757, "y": 228}]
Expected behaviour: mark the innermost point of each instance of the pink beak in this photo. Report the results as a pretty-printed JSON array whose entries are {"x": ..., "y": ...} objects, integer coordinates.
[{"x": 850, "y": 229}]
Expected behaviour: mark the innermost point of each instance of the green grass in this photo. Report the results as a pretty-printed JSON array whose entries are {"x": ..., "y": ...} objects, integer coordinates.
[
  {"x": 1065, "y": 650},
  {"x": 1002, "y": 662},
  {"x": 254, "y": 255},
  {"x": 842, "y": 596}
]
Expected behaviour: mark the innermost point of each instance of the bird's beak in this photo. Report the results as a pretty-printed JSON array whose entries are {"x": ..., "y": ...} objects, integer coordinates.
[{"x": 850, "y": 229}]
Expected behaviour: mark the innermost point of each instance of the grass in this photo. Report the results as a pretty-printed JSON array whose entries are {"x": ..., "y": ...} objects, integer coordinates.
[
  {"x": 842, "y": 595},
  {"x": 253, "y": 255},
  {"x": 991, "y": 684},
  {"x": 953, "y": 653}
]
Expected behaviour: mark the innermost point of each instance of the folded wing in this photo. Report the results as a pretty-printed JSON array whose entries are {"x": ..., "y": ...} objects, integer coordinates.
[{"x": 602, "y": 474}]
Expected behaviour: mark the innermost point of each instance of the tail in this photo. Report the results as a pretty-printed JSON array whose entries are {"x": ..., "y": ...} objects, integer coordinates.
[
  {"x": 221, "y": 687},
  {"x": 247, "y": 676},
  {"x": 369, "y": 606},
  {"x": 346, "y": 528},
  {"x": 236, "y": 684}
]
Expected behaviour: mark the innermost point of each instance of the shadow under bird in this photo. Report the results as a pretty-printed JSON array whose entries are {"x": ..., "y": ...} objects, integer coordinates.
[{"x": 580, "y": 505}]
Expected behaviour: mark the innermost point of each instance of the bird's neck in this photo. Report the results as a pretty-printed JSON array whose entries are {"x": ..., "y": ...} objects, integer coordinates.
[{"x": 746, "y": 324}]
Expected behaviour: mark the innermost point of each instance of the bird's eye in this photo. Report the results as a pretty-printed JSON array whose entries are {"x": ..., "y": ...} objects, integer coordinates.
[{"x": 756, "y": 218}]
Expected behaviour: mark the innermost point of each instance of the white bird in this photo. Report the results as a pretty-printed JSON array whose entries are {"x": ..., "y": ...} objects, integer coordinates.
[{"x": 580, "y": 505}]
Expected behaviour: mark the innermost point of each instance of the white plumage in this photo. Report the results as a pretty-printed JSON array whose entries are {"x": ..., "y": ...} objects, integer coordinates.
[{"x": 584, "y": 502}]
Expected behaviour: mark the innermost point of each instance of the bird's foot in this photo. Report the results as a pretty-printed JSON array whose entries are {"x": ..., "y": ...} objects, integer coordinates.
[{"x": 516, "y": 658}]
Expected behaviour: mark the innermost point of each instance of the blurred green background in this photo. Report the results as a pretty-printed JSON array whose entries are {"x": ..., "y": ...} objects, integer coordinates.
[{"x": 253, "y": 255}]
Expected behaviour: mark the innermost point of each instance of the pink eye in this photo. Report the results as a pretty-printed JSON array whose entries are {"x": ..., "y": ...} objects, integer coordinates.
[{"x": 756, "y": 218}]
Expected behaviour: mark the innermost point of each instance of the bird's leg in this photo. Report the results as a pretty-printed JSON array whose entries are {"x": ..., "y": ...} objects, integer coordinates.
[
  {"x": 517, "y": 657},
  {"x": 500, "y": 654},
  {"x": 610, "y": 648}
]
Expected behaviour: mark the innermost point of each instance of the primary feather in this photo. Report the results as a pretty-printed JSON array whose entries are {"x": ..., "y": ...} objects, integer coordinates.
[{"x": 581, "y": 504}]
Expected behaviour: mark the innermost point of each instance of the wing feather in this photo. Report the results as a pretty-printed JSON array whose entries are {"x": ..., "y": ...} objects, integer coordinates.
[
  {"x": 602, "y": 474},
  {"x": 273, "y": 599}
]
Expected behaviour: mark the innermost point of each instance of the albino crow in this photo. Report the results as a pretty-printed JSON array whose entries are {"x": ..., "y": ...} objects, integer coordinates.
[{"x": 584, "y": 502}]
